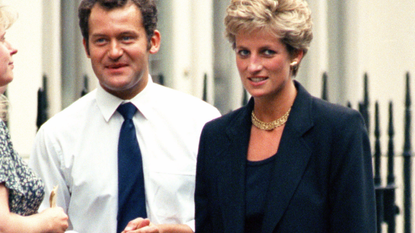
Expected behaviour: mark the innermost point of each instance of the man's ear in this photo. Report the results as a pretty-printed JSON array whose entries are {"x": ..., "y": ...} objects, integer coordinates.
[
  {"x": 155, "y": 42},
  {"x": 86, "y": 47}
]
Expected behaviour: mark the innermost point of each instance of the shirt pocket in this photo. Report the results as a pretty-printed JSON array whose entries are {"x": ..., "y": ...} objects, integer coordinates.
[{"x": 170, "y": 194}]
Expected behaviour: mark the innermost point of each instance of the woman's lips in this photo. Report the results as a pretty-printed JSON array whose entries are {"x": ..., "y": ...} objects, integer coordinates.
[{"x": 257, "y": 79}]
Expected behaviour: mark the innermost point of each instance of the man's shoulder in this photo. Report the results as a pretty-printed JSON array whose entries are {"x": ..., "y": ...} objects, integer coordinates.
[{"x": 79, "y": 109}]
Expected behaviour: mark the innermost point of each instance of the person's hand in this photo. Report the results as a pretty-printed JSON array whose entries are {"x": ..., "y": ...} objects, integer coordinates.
[
  {"x": 140, "y": 225},
  {"x": 54, "y": 219}
]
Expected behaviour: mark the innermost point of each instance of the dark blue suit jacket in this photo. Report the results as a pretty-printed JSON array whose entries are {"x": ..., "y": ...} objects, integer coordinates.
[{"x": 321, "y": 180}]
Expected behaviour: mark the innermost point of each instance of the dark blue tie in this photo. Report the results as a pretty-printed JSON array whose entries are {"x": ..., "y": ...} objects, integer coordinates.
[{"x": 131, "y": 194}]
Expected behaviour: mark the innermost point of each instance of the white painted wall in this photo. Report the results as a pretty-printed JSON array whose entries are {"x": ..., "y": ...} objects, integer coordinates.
[
  {"x": 185, "y": 55},
  {"x": 51, "y": 53},
  {"x": 387, "y": 52},
  {"x": 350, "y": 38},
  {"x": 228, "y": 86},
  {"x": 202, "y": 48}
]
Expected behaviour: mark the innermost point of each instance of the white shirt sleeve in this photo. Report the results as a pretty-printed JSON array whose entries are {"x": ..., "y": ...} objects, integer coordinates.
[{"x": 45, "y": 161}]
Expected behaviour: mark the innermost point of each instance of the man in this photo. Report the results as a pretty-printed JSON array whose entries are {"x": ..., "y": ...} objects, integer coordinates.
[{"x": 77, "y": 148}]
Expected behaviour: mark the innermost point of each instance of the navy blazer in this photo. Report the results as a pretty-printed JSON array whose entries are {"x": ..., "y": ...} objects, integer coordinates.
[{"x": 321, "y": 179}]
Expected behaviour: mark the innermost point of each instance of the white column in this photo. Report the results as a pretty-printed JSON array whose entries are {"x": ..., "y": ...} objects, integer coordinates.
[
  {"x": 51, "y": 53},
  {"x": 186, "y": 49},
  {"x": 83, "y": 62},
  {"x": 202, "y": 48},
  {"x": 228, "y": 86},
  {"x": 176, "y": 43},
  {"x": 315, "y": 62},
  {"x": 26, "y": 35}
]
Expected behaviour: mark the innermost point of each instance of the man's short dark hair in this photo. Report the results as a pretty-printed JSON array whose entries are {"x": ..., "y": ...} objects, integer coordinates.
[{"x": 147, "y": 7}]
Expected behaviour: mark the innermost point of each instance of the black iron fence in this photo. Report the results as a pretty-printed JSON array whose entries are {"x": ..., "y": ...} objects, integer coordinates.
[
  {"x": 386, "y": 207},
  {"x": 42, "y": 103}
]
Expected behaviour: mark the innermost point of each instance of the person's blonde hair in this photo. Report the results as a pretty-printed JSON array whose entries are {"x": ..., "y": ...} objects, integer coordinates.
[
  {"x": 288, "y": 20},
  {"x": 7, "y": 16}
]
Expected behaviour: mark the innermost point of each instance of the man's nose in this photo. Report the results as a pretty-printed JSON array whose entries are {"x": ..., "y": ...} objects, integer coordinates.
[{"x": 115, "y": 51}]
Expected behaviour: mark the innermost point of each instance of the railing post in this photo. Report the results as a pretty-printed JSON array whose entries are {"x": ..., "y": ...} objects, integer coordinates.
[
  {"x": 161, "y": 79},
  {"x": 366, "y": 101},
  {"x": 244, "y": 97},
  {"x": 42, "y": 103},
  {"x": 204, "y": 97},
  {"x": 324, "y": 93},
  {"x": 407, "y": 154},
  {"x": 85, "y": 86},
  {"x": 390, "y": 208},
  {"x": 364, "y": 105},
  {"x": 377, "y": 177},
  {"x": 363, "y": 110}
]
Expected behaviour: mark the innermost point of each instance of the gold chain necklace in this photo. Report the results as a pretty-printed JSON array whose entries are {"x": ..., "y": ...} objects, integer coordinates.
[{"x": 269, "y": 125}]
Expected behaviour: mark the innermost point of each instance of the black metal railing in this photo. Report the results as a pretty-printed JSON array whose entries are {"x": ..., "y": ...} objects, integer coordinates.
[
  {"x": 407, "y": 163},
  {"x": 386, "y": 207},
  {"x": 42, "y": 103},
  {"x": 85, "y": 86}
]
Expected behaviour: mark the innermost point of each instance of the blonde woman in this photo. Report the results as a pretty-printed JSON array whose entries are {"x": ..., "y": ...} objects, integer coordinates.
[
  {"x": 287, "y": 161},
  {"x": 21, "y": 191}
]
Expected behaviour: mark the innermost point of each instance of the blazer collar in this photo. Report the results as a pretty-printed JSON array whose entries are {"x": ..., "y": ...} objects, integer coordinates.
[
  {"x": 292, "y": 158},
  {"x": 291, "y": 161},
  {"x": 233, "y": 162}
]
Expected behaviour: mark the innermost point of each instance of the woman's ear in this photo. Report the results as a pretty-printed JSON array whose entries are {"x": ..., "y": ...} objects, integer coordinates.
[{"x": 298, "y": 56}]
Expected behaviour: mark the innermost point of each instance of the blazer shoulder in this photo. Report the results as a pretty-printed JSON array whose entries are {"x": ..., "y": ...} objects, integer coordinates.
[
  {"x": 335, "y": 114},
  {"x": 224, "y": 121}
]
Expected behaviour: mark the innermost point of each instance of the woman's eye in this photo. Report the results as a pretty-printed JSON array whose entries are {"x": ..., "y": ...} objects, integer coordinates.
[
  {"x": 269, "y": 52},
  {"x": 243, "y": 52}
]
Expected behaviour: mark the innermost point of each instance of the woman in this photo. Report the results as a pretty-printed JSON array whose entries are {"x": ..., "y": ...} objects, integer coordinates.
[
  {"x": 287, "y": 161},
  {"x": 21, "y": 192}
]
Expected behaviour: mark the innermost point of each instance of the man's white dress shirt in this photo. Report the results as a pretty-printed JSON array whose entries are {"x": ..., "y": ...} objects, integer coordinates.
[{"x": 77, "y": 150}]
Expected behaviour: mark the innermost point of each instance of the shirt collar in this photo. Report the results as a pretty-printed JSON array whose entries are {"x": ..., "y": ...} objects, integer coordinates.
[{"x": 109, "y": 103}]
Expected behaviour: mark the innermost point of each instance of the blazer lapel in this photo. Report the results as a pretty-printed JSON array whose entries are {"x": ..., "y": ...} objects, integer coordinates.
[
  {"x": 291, "y": 161},
  {"x": 232, "y": 164}
]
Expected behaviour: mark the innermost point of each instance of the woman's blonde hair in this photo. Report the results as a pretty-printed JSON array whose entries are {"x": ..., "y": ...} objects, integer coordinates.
[
  {"x": 288, "y": 20},
  {"x": 7, "y": 16}
]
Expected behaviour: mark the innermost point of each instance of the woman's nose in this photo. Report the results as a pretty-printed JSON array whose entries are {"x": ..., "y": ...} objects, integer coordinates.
[
  {"x": 13, "y": 50},
  {"x": 255, "y": 65}
]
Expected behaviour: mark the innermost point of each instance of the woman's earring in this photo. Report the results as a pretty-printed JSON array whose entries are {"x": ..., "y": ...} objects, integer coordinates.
[{"x": 294, "y": 63}]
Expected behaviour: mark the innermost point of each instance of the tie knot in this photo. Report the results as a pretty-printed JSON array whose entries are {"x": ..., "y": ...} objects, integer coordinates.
[{"x": 127, "y": 110}]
